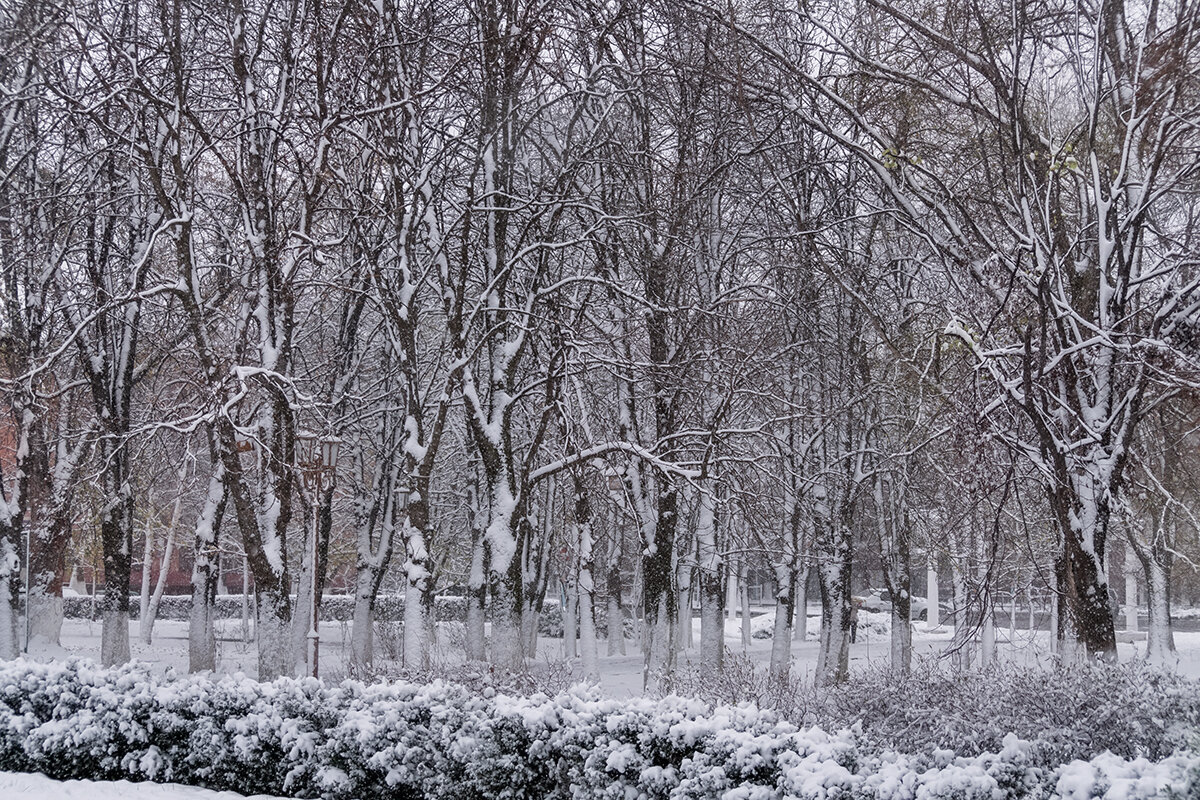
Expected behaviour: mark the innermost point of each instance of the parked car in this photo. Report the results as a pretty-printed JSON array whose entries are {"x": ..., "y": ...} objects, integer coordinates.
[{"x": 879, "y": 600}]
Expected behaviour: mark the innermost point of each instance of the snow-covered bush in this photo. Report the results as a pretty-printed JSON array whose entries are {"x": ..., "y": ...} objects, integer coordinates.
[
  {"x": 742, "y": 680},
  {"x": 549, "y": 676},
  {"x": 1070, "y": 712},
  {"x": 1073, "y": 712},
  {"x": 441, "y": 740}
]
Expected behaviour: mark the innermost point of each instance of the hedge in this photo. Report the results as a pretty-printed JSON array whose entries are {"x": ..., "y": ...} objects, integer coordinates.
[{"x": 305, "y": 739}]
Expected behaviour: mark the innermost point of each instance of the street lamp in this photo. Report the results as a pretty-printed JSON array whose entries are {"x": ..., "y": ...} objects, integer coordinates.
[{"x": 317, "y": 460}]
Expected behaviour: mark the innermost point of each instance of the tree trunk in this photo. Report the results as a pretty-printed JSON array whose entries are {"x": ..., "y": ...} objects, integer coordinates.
[
  {"x": 147, "y": 565},
  {"x": 147, "y": 621},
  {"x": 615, "y": 619},
  {"x": 1160, "y": 638},
  {"x": 934, "y": 613},
  {"x": 833, "y": 659},
  {"x": 1081, "y": 504},
  {"x": 417, "y": 596},
  {"x": 570, "y": 613},
  {"x": 49, "y": 545},
  {"x": 711, "y": 575},
  {"x": 476, "y": 598},
  {"x": 116, "y": 534},
  {"x": 834, "y": 557},
  {"x": 744, "y": 601},
  {"x": 302, "y": 610},
  {"x": 508, "y": 639},
  {"x": 589, "y": 655},
  {"x": 362, "y": 624},
  {"x": 659, "y": 596},
  {"x": 1131, "y": 591},
  {"x": 274, "y": 633},
  {"x": 683, "y": 579},
  {"x": 416, "y": 645},
  {"x": 800, "y": 626},
  {"x": 781, "y": 636},
  {"x": 10, "y": 586}
]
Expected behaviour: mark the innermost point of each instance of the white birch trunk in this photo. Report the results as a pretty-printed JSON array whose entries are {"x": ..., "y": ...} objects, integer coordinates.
[
  {"x": 1012, "y": 615},
  {"x": 529, "y": 629}
]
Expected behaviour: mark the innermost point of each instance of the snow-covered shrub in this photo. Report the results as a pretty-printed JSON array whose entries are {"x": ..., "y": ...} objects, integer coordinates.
[
  {"x": 1068, "y": 712},
  {"x": 1073, "y": 711},
  {"x": 742, "y": 681},
  {"x": 549, "y": 676},
  {"x": 305, "y": 739}
]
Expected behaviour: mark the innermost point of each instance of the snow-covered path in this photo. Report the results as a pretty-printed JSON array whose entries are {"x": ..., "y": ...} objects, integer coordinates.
[{"x": 16, "y": 784}]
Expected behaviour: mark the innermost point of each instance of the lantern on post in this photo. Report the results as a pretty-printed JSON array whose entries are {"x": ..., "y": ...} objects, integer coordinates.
[{"x": 316, "y": 458}]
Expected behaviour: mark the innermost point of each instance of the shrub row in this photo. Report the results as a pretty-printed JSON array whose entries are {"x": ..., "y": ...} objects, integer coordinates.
[
  {"x": 1074, "y": 711},
  {"x": 305, "y": 739}
]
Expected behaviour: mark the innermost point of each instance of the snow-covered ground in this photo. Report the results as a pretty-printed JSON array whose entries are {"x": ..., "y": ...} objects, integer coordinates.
[
  {"x": 621, "y": 676},
  {"x": 39, "y": 787}
]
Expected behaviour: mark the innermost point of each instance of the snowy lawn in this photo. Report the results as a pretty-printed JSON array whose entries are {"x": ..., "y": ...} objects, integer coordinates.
[{"x": 621, "y": 676}]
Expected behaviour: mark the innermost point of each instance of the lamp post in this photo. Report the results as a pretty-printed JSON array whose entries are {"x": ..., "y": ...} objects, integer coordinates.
[{"x": 317, "y": 461}]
